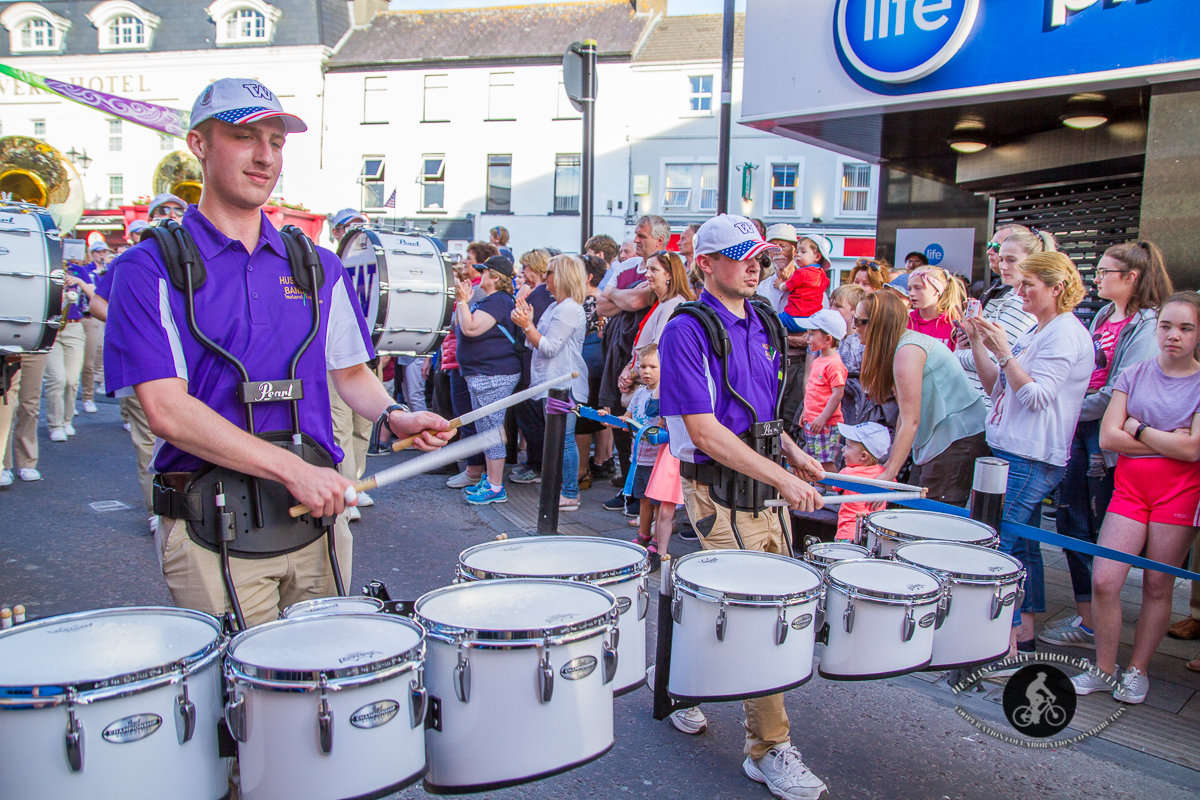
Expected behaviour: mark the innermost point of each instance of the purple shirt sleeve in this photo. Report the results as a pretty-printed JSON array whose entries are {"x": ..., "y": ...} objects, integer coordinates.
[
  {"x": 141, "y": 341},
  {"x": 683, "y": 353}
]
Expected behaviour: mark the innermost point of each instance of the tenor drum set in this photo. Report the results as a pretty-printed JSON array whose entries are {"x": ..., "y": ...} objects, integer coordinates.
[{"x": 504, "y": 677}]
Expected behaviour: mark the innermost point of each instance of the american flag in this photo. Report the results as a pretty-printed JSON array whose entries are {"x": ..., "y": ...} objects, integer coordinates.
[{"x": 391, "y": 201}]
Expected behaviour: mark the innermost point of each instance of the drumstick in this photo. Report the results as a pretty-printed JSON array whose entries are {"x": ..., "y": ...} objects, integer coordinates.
[
  {"x": 871, "y": 482},
  {"x": 421, "y": 464},
  {"x": 492, "y": 408},
  {"x": 837, "y": 500}
]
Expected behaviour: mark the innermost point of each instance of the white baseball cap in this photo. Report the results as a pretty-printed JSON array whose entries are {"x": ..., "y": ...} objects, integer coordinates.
[
  {"x": 731, "y": 236},
  {"x": 240, "y": 101},
  {"x": 870, "y": 435},
  {"x": 828, "y": 320},
  {"x": 346, "y": 216}
]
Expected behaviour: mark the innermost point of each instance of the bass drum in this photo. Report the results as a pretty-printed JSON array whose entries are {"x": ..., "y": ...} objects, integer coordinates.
[
  {"x": 405, "y": 286},
  {"x": 31, "y": 278}
]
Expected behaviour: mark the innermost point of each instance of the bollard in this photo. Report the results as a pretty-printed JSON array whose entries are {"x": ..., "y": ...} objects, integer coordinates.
[
  {"x": 552, "y": 467},
  {"x": 18, "y": 615},
  {"x": 987, "y": 491}
]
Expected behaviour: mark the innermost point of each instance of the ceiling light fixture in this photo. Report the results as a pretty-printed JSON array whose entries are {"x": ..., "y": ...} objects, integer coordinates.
[
  {"x": 1083, "y": 120},
  {"x": 967, "y": 144},
  {"x": 1085, "y": 110}
]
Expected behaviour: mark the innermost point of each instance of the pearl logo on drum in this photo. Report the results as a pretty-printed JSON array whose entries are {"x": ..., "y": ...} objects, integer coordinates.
[
  {"x": 362, "y": 655},
  {"x": 927, "y": 620},
  {"x": 801, "y": 622},
  {"x": 375, "y": 715},
  {"x": 131, "y": 729},
  {"x": 579, "y": 668}
]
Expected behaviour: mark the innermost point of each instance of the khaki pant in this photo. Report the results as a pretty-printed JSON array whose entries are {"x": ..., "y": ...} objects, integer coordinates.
[
  {"x": 93, "y": 359},
  {"x": 63, "y": 368},
  {"x": 143, "y": 445},
  {"x": 353, "y": 433},
  {"x": 24, "y": 450},
  {"x": 766, "y": 719},
  {"x": 8, "y": 407},
  {"x": 265, "y": 586}
]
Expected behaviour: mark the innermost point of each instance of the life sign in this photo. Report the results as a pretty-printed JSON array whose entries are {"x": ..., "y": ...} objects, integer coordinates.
[{"x": 899, "y": 41}]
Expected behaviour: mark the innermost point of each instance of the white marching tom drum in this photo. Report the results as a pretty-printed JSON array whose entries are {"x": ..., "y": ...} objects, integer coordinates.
[
  {"x": 743, "y": 624},
  {"x": 31, "y": 278},
  {"x": 520, "y": 675},
  {"x": 981, "y": 587},
  {"x": 405, "y": 286},
  {"x": 327, "y": 706},
  {"x": 333, "y": 605},
  {"x": 112, "y": 704},
  {"x": 620, "y": 567},
  {"x": 892, "y": 527},
  {"x": 881, "y": 617},
  {"x": 824, "y": 554}
]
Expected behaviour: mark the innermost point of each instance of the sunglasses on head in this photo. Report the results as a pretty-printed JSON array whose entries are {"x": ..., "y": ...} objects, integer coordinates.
[{"x": 871, "y": 265}]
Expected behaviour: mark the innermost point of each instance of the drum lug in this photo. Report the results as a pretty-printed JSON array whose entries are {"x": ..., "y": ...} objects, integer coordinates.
[
  {"x": 325, "y": 719},
  {"x": 722, "y": 621},
  {"x": 858, "y": 531},
  {"x": 997, "y": 602},
  {"x": 910, "y": 624},
  {"x": 677, "y": 608},
  {"x": 418, "y": 698},
  {"x": 545, "y": 677},
  {"x": 462, "y": 678},
  {"x": 643, "y": 600},
  {"x": 615, "y": 639},
  {"x": 235, "y": 717},
  {"x": 185, "y": 715},
  {"x": 943, "y": 609},
  {"x": 610, "y": 659},
  {"x": 74, "y": 735},
  {"x": 848, "y": 617},
  {"x": 781, "y": 626}
]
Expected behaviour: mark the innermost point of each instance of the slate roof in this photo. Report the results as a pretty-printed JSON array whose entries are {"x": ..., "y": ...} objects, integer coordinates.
[
  {"x": 511, "y": 32},
  {"x": 186, "y": 26},
  {"x": 692, "y": 38}
]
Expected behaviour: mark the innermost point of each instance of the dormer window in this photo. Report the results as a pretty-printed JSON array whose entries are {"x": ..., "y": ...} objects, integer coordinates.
[
  {"x": 123, "y": 25},
  {"x": 34, "y": 29},
  {"x": 244, "y": 21}
]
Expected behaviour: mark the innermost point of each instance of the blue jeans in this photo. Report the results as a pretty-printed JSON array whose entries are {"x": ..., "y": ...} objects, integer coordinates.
[
  {"x": 1082, "y": 503},
  {"x": 570, "y": 483},
  {"x": 1029, "y": 483}
]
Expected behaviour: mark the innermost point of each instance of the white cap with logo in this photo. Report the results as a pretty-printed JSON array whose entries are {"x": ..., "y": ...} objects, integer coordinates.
[
  {"x": 240, "y": 101},
  {"x": 871, "y": 435},
  {"x": 828, "y": 320},
  {"x": 731, "y": 236}
]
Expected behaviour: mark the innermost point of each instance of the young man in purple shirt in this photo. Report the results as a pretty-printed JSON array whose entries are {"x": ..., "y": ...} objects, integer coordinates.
[
  {"x": 250, "y": 305},
  {"x": 705, "y": 420}
]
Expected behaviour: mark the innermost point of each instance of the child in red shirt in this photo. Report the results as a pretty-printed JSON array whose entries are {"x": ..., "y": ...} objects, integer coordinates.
[
  {"x": 826, "y": 385},
  {"x": 806, "y": 288},
  {"x": 866, "y": 445}
]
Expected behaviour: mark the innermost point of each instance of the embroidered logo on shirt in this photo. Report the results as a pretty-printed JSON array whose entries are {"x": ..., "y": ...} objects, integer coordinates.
[{"x": 291, "y": 291}]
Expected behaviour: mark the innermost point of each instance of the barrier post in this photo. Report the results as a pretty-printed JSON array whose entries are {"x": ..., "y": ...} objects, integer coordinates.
[
  {"x": 987, "y": 491},
  {"x": 552, "y": 467}
]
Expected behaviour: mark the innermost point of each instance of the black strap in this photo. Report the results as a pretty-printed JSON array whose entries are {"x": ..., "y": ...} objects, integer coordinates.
[{"x": 303, "y": 258}]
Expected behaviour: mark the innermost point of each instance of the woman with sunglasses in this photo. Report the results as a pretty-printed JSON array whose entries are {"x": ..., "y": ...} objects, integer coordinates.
[
  {"x": 871, "y": 273},
  {"x": 1133, "y": 279}
]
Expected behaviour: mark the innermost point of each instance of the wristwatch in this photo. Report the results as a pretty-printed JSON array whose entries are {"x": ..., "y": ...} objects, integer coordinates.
[
  {"x": 1138, "y": 433},
  {"x": 387, "y": 415},
  {"x": 1003, "y": 362}
]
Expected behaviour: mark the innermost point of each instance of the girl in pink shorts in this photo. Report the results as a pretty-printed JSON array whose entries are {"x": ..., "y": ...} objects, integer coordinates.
[{"x": 1153, "y": 422}]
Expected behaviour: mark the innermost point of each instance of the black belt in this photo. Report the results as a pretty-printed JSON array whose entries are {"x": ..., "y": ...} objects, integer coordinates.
[{"x": 700, "y": 473}]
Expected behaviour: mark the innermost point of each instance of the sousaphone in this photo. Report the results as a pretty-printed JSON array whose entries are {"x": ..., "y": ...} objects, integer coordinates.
[
  {"x": 32, "y": 171},
  {"x": 179, "y": 173}
]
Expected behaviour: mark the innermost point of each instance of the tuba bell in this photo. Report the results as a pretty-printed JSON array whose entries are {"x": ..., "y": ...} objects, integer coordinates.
[
  {"x": 32, "y": 171},
  {"x": 179, "y": 174}
]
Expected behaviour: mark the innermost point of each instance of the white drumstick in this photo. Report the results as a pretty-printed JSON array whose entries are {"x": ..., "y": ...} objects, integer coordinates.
[
  {"x": 870, "y": 481},
  {"x": 837, "y": 500},
  {"x": 350, "y": 495}
]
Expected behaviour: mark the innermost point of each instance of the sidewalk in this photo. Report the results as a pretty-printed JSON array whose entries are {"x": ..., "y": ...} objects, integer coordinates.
[{"x": 1165, "y": 726}]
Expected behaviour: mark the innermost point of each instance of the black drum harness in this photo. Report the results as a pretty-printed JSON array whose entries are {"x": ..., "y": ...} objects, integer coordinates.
[
  {"x": 250, "y": 518},
  {"x": 728, "y": 488}
]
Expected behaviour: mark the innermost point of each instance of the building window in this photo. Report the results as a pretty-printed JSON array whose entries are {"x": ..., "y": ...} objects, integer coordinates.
[
  {"x": 856, "y": 189},
  {"x": 701, "y": 97},
  {"x": 244, "y": 21},
  {"x": 502, "y": 96},
  {"x": 33, "y": 29},
  {"x": 681, "y": 181},
  {"x": 566, "y": 183},
  {"x": 564, "y": 109},
  {"x": 39, "y": 128},
  {"x": 437, "y": 98},
  {"x": 375, "y": 100},
  {"x": 114, "y": 136},
  {"x": 678, "y": 196},
  {"x": 433, "y": 182},
  {"x": 37, "y": 35},
  {"x": 123, "y": 25},
  {"x": 166, "y": 141},
  {"x": 371, "y": 177},
  {"x": 126, "y": 31},
  {"x": 784, "y": 183},
  {"x": 499, "y": 185},
  {"x": 708, "y": 187},
  {"x": 116, "y": 190}
]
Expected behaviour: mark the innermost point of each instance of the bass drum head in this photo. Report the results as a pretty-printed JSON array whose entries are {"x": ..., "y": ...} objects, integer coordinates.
[
  {"x": 571, "y": 557},
  {"x": 746, "y": 573},
  {"x": 94, "y": 645},
  {"x": 965, "y": 561},
  {"x": 28, "y": 303},
  {"x": 917, "y": 525},
  {"x": 324, "y": 642},
  {"x": 874, "y": 577},
  {"x": 333, "y": 605},
  {"x": 517, "y": 605},
  {"x": 825, "y": 553}
]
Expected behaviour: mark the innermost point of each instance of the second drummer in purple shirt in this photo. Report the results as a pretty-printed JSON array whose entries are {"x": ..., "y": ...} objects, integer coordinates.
[{"x": 722, "y": 415}]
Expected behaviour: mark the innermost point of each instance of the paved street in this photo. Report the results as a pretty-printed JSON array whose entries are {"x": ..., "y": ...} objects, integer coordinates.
[{"x": 886, "y": 739}]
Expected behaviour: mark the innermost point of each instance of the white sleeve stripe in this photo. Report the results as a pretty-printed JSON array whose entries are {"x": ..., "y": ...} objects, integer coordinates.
[
  {"x": 343, "y": 338},
  {"x": 167, "y": 320}
]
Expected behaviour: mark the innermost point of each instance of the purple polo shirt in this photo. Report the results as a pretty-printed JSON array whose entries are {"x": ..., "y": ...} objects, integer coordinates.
[
  {"x": 691, "y": 380},
  {"x": 87, "y": 273},
  {"x": 250, "y": 306}
]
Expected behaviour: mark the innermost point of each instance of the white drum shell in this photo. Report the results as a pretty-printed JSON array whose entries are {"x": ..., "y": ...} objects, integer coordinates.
[
  {"x": 333, "y": 605},
  {"x": 823, "y": 554},
  {"x": 28, "y": 296},
  {"x": 882, "y": 539}
]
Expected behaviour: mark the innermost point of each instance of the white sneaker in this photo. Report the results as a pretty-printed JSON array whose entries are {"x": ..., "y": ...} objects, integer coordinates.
[
  {"x": 1134, "y": 686},
  {"x": 58, "y": 434},
  {"x": 128, "y": 428},
  {"x": 784, "y": 773},
  {"x": 6, "y": 478},
  {"x": 353, "y": 514},
  {"x": 29, "y": 474},
  {"x": 1091, "y": 681},
  {"x": 89, "y": 407},
  {"x": 365, "y": 500},
  {"x": 689, "y": 720},
  {"x": 70, "y": 429},
  {"x": 461, "y": 481}
]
